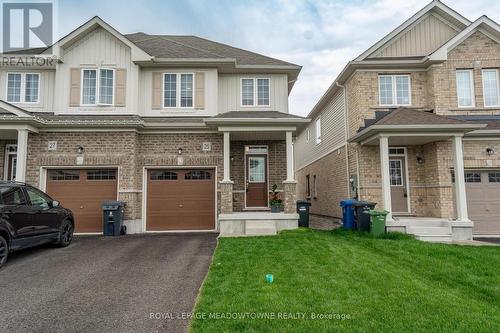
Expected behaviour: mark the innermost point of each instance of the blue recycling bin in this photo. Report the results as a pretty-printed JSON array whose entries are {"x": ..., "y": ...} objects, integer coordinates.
[{"x": 348, "y": 220}]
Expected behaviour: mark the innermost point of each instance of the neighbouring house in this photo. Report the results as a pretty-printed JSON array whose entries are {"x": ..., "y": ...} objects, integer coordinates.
[
  {"x": 413, "y": 124},
  {"x": 191, "y": 134}
]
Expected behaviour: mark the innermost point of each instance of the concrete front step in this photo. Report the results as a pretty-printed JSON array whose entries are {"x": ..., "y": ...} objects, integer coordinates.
[
  {"x": 435, "y": 238},
  {"x": 262, "y": 227},
  {"x": 427, "y": 230},
  {"x": 429, "y": 223}
]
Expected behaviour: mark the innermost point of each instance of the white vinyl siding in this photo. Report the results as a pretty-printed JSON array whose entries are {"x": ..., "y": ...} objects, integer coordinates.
[
  {"x": 394, "y": 90},
  {"x": 318, "y": 131},
  {"x": 23, "y": 87},
  {"x": 178, "y": 90},
  {"x": 255, "y": 92},
  {"x": 465, "y": 88},
  {"x": 333, "y": 133},
  {"x": 491, "y": 87}
]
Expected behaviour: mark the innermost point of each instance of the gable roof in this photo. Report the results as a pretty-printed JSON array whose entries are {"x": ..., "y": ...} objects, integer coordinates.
[
  {"x": 9, "y": 109},
  {"x": 435, "y": 6},
  {"x": 185, "y": 47},
  {"x": 483, "y": 24}
]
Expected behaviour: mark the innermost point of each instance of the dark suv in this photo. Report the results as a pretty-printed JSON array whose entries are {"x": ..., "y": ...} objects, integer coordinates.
[{"x": 29, "y": 217}]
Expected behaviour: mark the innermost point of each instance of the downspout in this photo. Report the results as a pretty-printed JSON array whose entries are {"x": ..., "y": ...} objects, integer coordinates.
[{"x": 346, "y": 131}]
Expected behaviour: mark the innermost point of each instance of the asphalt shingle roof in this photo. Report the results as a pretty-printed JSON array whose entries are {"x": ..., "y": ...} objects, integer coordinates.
[{"x": 257, "y": 114}]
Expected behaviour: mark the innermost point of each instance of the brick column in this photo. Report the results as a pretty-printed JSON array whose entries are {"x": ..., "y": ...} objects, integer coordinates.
[
  {"x": 290, "y": 196},
  {"x": 226, "y": 197}
]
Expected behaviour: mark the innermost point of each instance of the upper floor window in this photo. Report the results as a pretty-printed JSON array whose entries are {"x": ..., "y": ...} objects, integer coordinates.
[
  {"x": 490, "y": 87},
  {"x": 255, "y": 92},
  {"x": 318, "y": 131},
  {"x": 23, "y": 87},
  {"x": 394, "y": 90},
  {"x": 465, "y": 88},
  {"x": 98, "y": 86},
  {"x": 178, "y": 90}
]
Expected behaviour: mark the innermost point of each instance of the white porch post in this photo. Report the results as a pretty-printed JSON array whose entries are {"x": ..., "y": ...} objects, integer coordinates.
[
  {"x": 289, "y": 157},
  {"x": 384, "y": 169},
  {"x": 227, "y": 159},
  {"x": 460, "y": 195},
  {"x": 22, "y": 152}
]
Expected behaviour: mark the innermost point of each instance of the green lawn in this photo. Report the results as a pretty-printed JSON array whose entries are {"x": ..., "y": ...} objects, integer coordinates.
[{"x": 394, "y": 284}]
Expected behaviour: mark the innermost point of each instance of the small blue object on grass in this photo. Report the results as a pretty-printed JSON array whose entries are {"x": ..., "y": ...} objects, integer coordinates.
[{"x": 269, "y": 278}]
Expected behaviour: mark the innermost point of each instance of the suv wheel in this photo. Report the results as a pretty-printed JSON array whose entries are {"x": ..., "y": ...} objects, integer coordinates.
[
  {"x": 66, "y": 234},
  {"x": 4, "y": 251}
]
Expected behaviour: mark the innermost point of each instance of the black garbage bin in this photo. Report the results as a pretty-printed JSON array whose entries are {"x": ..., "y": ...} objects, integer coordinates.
[
  {"x": 303, "y": 211},
  {"x": 362, "y": 216},
  {"x": 112, "y": 212}
]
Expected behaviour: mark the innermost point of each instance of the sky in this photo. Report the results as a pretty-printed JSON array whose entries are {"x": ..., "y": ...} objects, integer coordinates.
[{"x": 321, "y": 36}]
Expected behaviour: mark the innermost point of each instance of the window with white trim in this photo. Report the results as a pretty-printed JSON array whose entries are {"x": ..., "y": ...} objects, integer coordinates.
[
  {"x": 318, "y": 131},
  {"x": 394, "y": 90},
  {"x": 98, "y": 86},
  {"x": 255, "y": 92},
  {"x": 23, "y": 87},
  {"x": 491, "y": 88},
  {"x": 178, "y": 90},
  {"x": 465, "y": 88}
]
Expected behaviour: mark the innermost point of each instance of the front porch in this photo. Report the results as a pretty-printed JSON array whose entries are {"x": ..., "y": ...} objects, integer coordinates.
[
  {"x": 417, "y": 174},
  {"x": 258, "y": 158}
]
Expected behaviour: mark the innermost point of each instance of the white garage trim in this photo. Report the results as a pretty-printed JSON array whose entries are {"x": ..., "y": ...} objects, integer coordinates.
[{"x": 145, "y": 170}]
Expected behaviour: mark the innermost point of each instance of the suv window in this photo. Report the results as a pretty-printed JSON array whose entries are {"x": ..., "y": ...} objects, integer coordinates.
[
  {"x": 12, "y": 195},
  {"x": 37, "y": 198}
]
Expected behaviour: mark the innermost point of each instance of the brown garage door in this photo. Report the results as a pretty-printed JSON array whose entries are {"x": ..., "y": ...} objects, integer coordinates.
[
  {"x": 483, "y": 201},
  {"x": 180, "y": 200},
  {"x": 83, "y": 191}
]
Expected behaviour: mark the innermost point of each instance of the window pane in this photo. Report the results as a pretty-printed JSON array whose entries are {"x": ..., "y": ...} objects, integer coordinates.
[
  {"x": 396, "y": 173},
  {"x": 163, "y": 175},
  {"x": 170, "y": 91},
  {"x": 64, "y": 174},
  {"x": 256, "y": 169},
  {"x": 186, "y": 90},
  {"x": 262, "y": 91},
  {"x": 14, "y": 88},
  {"x": 403, "y": 90},
  {"x": 247, "y": 92},
  {"x": 494, "y": 177},
  {"x": 89, "y": 86},
  {"x": 318, "y": 130},
  {"x": 490, "y": 87},
  {"x": 12, "y": 196},
  {"x": 198, "y": 175},
  {"x": 385, "y": 90},
  {"x": 464, "y": 88},
  {"x": 106, "y": 86},
  {"x": 472, "y": 177},
  {"x": 101, "y": 174},
  {"x": 31, "y": 90},
  {"x": 37, "y": 199}
]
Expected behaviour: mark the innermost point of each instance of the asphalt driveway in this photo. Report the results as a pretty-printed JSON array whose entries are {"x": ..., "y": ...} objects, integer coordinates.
[{"x": 132, "y": 283}]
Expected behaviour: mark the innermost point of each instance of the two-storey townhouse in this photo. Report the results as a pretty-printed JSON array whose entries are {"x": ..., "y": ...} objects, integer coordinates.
[
  {"x": 191, "y": 134},
  {"x": 413, "y": 125}
]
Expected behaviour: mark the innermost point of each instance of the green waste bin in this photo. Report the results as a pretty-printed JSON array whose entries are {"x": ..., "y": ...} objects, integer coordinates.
[{"x": 377, "y": 222}]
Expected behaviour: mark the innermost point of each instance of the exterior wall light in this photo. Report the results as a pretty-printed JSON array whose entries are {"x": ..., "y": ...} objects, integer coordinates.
[
  {"x": 179, "y": 151},
  {"x": 420, "y": 160},
  {"x": 80, "y": 149},
  {"x": 490, "y": 151}
]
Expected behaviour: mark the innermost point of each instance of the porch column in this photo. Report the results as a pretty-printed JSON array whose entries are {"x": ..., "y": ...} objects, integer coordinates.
[
  {"x": 226, "y": 185},
  {"x": 384, "y": 170},
  {"x": 460, "y": 195},
  {"x": 290, "y": 184},
  {"x": 22, "y": 153}
]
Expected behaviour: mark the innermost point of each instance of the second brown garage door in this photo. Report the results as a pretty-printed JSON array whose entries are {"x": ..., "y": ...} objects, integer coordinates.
[
  {"x": 83, "y": 191},
  {"x": 180, "y": 200},
  {"x": 483, "y": 201}
]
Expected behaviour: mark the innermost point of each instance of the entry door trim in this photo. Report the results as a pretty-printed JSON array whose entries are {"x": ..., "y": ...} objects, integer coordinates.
[
  {"x": 403, "y": 157},
  {"x": 6, "y": 162},
  {"x": 246, "y": 148},
  {"x": 145, "y": 171}
]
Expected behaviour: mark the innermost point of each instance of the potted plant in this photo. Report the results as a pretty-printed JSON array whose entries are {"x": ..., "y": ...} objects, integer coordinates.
[{"x": 275, "y": 201}]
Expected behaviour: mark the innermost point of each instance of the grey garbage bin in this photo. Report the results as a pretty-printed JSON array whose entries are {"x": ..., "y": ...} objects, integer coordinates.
[
  {"x": 112, "y": 212},
  {"x": 362, "y": 216},
  {"x": 303, "y": 211}
]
